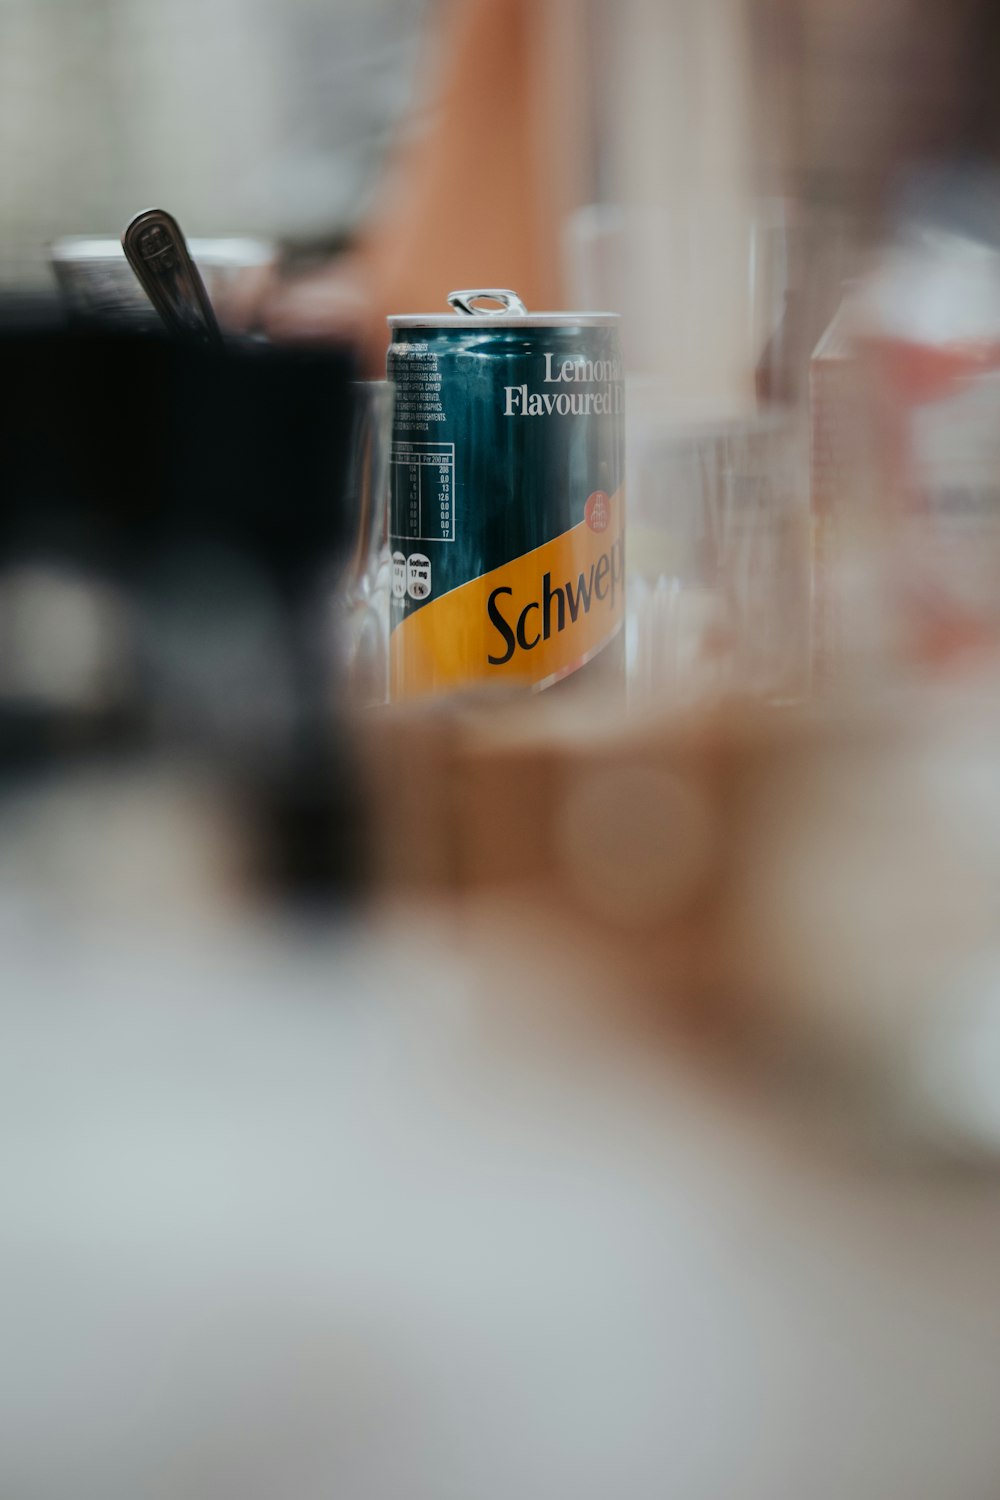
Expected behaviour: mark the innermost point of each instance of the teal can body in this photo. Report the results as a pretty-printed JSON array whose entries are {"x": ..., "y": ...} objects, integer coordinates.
[{"x": 506, "y": 495}]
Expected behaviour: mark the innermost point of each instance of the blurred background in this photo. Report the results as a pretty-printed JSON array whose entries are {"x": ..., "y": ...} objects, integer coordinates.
[
  {"x": 249, "y": 117},
  {"x": 559, "y": 1095}
]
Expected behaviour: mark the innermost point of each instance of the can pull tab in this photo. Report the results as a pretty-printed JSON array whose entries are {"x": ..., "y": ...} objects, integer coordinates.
[{"x": 464, "y": 302}]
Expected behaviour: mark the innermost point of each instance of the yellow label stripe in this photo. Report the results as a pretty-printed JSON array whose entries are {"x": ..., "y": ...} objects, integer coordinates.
[{"x": 530, "y": 621}]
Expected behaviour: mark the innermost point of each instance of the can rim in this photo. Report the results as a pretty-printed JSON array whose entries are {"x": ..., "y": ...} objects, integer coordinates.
[{"x": 503, "y": 320}]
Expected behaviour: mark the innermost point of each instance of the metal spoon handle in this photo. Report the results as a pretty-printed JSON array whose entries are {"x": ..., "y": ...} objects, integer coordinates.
[{"x": 158, "y": 254}]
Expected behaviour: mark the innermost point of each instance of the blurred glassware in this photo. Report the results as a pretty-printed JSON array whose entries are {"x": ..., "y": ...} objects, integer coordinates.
[
  {"x": 364, "y": 591},
  {"x": 664, "y": 272},
  {"x": 718, "y": 562},
  {"x": 930, "y": 317},
  {"x": 96, "y": 280}
]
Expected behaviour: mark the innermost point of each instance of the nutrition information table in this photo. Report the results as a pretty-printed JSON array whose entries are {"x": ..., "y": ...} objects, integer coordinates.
[{"x": 423, "y": 491}]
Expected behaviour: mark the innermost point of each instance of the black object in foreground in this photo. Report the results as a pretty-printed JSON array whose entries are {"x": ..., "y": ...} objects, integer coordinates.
[{"x": 202, "y": 492}]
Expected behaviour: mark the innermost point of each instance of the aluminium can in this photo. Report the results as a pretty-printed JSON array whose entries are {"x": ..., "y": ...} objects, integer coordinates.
[{"x": 506, "y": 496}]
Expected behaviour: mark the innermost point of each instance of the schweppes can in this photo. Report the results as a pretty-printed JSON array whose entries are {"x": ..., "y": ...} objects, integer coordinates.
[{"x": 507, "y": 496}]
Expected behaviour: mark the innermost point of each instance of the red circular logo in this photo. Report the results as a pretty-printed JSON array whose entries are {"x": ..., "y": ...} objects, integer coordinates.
[{"x": 597, "y": 511}]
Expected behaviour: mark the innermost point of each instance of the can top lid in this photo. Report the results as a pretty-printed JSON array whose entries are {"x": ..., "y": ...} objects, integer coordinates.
[{"x": 510, "y": 312}]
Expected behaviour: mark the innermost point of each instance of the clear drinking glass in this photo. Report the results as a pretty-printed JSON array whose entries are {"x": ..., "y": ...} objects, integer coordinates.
[
  {"x": 718, "y": 550},
  {"x": 365, "y": 587}
]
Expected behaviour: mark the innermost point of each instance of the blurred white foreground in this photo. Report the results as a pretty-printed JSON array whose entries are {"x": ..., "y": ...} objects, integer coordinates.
[{"x": 305, "y": 1216}]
